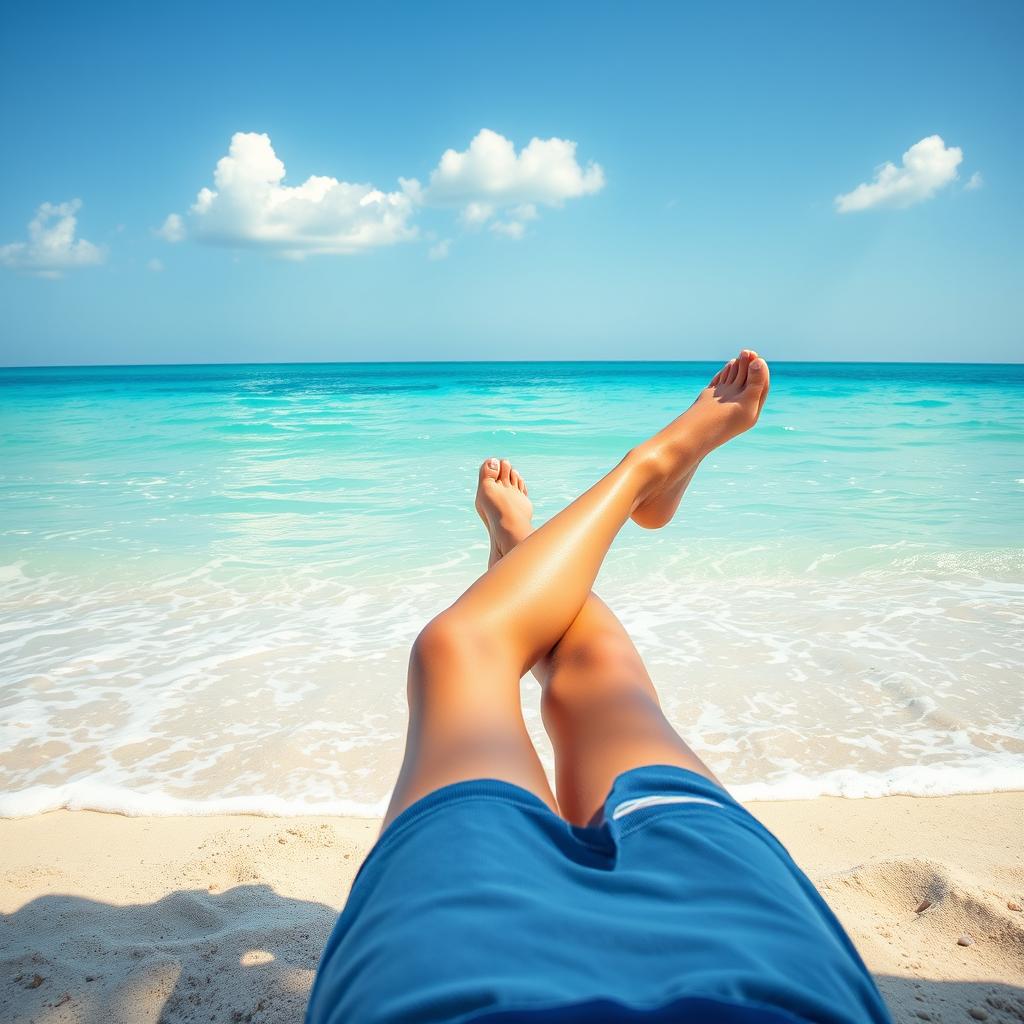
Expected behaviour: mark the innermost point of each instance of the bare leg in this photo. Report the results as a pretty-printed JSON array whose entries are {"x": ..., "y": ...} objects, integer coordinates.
[
  {"x": 599, "y": 704},
  {"x": 602, "y": 713},
  {"x": 466, "y": 664}
]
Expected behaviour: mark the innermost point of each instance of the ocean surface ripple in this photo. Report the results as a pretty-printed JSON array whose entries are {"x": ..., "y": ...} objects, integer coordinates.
[{"x": 210, "y": 576}]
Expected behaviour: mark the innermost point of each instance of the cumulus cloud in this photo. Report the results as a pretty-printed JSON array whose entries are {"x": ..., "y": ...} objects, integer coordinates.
[
  {"x": 514, "y": 224},
  {"x": 439, "y": 250},
  {"x": 927, "y": 166},
  {"x": 975, "y": 181},
  {"x": 544, "y": 171},
  {"x": 509, "y": 228},
  {"x": 250, "y": 205},
  {"x": 172, "y": 229},
  {"x": 474, "y": 214},
  {"x": 52, "y": 247},
  {"x": 489, "y": 183},
  {"x": 490, "y": 179}
]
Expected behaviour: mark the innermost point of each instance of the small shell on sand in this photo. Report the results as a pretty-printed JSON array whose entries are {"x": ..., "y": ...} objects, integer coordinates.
[
  {"x": 977, "y": 1013},
  {"x": 923, "y": 906},
  {"x": 1014, "y": 905},
  {"x": 965, "y": 940}
]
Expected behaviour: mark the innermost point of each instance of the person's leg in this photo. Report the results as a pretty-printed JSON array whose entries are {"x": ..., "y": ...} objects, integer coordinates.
[
  {"x": 466, "y": 664},
  {"x": 599, "y": 704},
  {"x": 602, "y": 713}
]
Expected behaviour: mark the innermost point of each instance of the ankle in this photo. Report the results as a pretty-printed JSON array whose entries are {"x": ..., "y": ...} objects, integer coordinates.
[
  {"x": 645, "y": 467},
  {"x": 513, "y": 531},
  {"x": 652, "y": 465}
]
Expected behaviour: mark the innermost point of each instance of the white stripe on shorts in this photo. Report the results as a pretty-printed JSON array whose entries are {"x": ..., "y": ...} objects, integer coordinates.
[{"x": 640, "y": 802}]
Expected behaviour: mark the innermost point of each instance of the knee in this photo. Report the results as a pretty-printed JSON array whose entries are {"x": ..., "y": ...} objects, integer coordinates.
[
  {"x": 604, "y": 654},
  {"x": 605, "y": 662},
  {"x": 448, "y": 641}
]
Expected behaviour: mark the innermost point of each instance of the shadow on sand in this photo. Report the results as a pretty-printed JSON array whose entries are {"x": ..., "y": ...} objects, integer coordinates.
[
  {"x": 952, "y": 1002},
  {"x": 249, "y": 955},
  {"x": 246, "y": 954}
]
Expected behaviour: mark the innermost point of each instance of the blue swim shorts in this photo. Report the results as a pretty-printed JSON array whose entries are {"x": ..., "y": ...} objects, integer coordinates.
[{"x": 478, "y": 903}]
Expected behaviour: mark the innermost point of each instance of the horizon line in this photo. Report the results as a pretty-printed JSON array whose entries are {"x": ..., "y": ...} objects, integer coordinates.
[{"x": 493, "y": 362}]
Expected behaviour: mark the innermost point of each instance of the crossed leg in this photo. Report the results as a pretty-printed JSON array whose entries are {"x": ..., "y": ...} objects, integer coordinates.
[
  {"x": 465, "y": 720},
  {"x": 599, "y": 705},
  {"x": 602, "y": 713}
]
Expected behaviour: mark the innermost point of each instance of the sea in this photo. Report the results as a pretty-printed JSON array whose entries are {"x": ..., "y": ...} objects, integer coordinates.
[{"x": 210, "y": 576}]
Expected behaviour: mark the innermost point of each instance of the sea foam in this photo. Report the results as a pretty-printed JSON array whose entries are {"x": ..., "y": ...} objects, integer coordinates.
[
  {"x": 210, "y": 577},
  {"x": 1002, "y": 775}
]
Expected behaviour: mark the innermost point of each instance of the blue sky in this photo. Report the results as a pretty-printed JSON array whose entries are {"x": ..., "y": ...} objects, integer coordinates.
[{"x": 697, "y": 213}]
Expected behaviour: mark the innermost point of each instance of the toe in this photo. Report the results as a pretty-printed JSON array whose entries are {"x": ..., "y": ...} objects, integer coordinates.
[
  {"x": 506, "y": 469},
  {"x": 757, "y": 376},
  {"x": 741, "y": 368},
  {"x": 489, "y": 470},
  {"x": 514, "y": 478},
  {"x": 730, "y": 372}
]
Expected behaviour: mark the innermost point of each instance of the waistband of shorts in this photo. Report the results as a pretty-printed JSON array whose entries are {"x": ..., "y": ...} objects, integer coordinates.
[
  {"x": 635, "y": 796},
  {"x": 648, "y": 791}
]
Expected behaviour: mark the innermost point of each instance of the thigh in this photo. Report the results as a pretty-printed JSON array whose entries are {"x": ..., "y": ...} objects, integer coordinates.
[
  {"x": 465, "y": 722},
  {"x": 603, "y": 715}
]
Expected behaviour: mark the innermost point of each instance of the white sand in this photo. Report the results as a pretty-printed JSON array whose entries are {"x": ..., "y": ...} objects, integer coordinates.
[{"x": 112, "y": 919}]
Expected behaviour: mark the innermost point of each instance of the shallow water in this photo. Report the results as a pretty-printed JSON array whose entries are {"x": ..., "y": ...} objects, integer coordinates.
[{"x": 210, "y": 576}]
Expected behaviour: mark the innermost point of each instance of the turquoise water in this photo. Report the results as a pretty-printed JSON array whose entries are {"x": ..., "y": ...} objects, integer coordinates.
[{"x": 209, "y": 576}]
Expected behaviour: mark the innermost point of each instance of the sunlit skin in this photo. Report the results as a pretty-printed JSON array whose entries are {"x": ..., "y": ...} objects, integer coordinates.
[{"x": 534, "y": 609}]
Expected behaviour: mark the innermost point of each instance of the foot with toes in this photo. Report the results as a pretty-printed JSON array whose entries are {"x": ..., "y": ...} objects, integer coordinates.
[
  {"x": 727, "y": 407},
  {"x": 504, "y": 505}
]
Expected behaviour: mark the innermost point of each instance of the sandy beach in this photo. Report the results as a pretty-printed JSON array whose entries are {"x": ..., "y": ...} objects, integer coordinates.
[
  {"x": 683, "y": 341},
  {"x": 116, "y": 919}
]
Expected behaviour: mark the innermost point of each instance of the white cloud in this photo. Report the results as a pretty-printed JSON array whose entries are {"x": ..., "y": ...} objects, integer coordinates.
[
  {"x": 52, "y": 247},
  {"x": 155, "y": 265},
  {"x": 544, "y": 171},
  {"x": 489, "y": 182},
  {"x": 172, "y": 229},
  {"x": 490, "y": 179},
  {"x": 515, "y": 224},
  {"x": 975, "y": 181},
  {"x": 440, "y": 250},
  {"x": 927, "y": 166},
  {"x": 474, "y": 214},
  {"x": 250, "y": 206},
  {"x": 509, "y": 228}
]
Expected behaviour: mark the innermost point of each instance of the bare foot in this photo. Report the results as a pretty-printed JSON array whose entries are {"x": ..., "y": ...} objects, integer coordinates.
[
  {"x": 501, "y": 500},
  {"x": 728, "y": 406}
]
